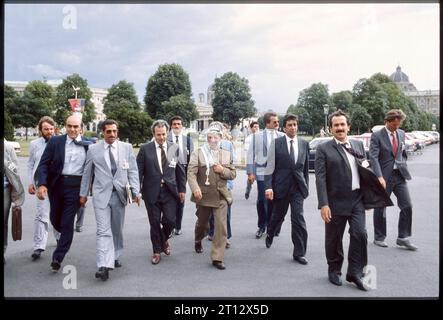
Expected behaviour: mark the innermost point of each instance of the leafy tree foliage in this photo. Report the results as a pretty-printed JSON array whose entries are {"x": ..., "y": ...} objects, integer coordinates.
[
  {"x": 8, "y": 127},
  {"x": 121, "y": 95},
  {"x": 134, "y": 126}
]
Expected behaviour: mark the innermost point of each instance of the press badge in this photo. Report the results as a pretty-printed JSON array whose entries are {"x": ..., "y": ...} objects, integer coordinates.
[
  {"x": 172, "y": 164},
  {"x": 125, "y": 165}
]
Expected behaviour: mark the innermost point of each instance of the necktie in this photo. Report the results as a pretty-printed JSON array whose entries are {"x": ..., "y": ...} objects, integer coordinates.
[
  {"x": 291, "y": 152},
  {"x": 82, "y": 143},
  {"x": 394, "y": 144},
  {"x": 112, "y": 160},
  {"x": 176, "y": 139},
  {"x": 349, "y": 149},
  {"x": 163, "y": 156}
]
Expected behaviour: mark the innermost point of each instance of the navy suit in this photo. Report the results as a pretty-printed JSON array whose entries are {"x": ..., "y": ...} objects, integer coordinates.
[
  {"x": 289, "y": 181},
  {"x": 63, "y": 192}
]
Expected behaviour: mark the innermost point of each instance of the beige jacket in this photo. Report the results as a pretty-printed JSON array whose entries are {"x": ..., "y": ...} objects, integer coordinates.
[{"x": 217, "y": 188}]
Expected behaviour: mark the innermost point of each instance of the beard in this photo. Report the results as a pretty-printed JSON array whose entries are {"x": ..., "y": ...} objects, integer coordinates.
[{"x": 214, "y": 145}]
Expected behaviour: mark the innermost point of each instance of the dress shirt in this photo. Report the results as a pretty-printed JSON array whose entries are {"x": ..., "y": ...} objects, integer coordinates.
[
  {"x": 114, "y": 151},
  {"x": 159, "y": 154},
  {"x": 294, "y": 146},
  {"x": 352, "y": 163},
  {"x": 390, "y": 139},
  {"x": 75, "y": 156}
]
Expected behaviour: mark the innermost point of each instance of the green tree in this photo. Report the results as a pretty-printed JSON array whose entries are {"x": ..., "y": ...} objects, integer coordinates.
[
  {"x": 168, "y": 81},
  {"x": 121, "y": 95},
  {"x": 10, "y": 98},
  {"x": 232, "y": 99},
  {"x": 304, "y": 119},
  {"x": 360, "y": 120},
  {"x": 179, "y": 105},
  {"x": 134, "y": 126},
  {"x": 342, "y": 100},
  {"x": 8, "y": 127},
  {"x": 66, "y": 91}
]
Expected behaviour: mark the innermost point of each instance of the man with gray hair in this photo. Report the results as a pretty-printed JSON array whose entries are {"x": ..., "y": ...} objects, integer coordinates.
[{"x": 163, "y": 184}]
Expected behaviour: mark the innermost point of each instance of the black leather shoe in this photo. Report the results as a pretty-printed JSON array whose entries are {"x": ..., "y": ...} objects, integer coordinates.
[
  {"x": 177, "y": 232},
  {"x": 301, "y": 260},
  {"x": 259, "y": 233},
  {"x": 117, "y": 263},
  {"x": 102, "y": 273},
  {"x": 198, "y": 247},
  {"x": 218, "y": 264},
  {"x": 268, "y": 241},
  {"x": 277, "y": 234},
  {"x": 334, "y": 278},
  {"x": 407, "y": 244},
  {"x": 246, "y": 196},
  {"x": 36, "y": 254},
  {"x": 358, "y": 282},
  {"x": 55, "y": 266},
  {"x": 78, "y": 229}
]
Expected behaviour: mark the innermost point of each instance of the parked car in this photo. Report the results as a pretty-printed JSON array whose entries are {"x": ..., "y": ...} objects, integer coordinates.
[
  {"x": 366, "y": 139},
  {"x": 16, "y": 146},
  {"x": 419, "y": 144},
  {"x": 313, "y": 148}
]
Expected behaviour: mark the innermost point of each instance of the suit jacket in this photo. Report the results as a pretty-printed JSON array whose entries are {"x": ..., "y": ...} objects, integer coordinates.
[
  {"x": 334, "y": 177},
  {"x": 374, "y": 195},
  {"x": 104, "y": 181},
  {"x": 217, "y": 188},
  {"x": 53, "y": 160},
  {"x": 10, "y": 164},
  {"x": 183, "y": 156},
  {"x": 150, "y": 175},
  {"x": 380, "y": 152},
  {"x": 257, "y": 157},
  {"x": 282, "y": 174}
]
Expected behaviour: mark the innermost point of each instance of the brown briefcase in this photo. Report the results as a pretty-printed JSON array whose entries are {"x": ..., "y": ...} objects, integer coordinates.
[{"x": 16, "y": 223}]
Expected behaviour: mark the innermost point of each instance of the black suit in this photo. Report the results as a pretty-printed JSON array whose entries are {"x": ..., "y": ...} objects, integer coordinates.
[
  {"x": 63, "y": 192},
  {"x": 160, "y": 190},
  {"x": 383, "y": 161},
  {"x": 334, "y": 188},
  {"x": 289, "y": 181}
]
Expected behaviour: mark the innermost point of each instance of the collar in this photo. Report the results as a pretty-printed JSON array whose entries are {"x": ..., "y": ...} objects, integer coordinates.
[
  {"x": 289, "y": 139},
  {"x": 68, "y": 138},
  {"x": 114, "y": 144},
  {"x": 389, "y": 131},
  {"x": 158, "y": 145},
  {"x": 345, "y": 142}
]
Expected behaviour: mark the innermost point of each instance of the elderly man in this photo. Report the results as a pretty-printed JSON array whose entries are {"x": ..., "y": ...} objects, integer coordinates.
[{"x": 209, "y": 170}]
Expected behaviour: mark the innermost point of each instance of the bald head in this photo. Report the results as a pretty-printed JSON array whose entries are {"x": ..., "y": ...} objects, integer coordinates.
[{"x": 73, "y": 126}]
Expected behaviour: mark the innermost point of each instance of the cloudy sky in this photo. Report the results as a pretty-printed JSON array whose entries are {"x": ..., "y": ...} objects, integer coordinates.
[{"x": 280, "y": 48}]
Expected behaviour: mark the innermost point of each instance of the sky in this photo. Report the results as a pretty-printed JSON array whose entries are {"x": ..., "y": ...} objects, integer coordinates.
[{"x": 280, "y": 49}]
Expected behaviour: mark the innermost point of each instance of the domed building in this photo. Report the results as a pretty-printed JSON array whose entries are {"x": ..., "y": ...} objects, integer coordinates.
[{"x": 426, "y": 100}]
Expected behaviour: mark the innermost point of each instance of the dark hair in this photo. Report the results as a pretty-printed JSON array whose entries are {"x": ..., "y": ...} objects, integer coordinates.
[
  {"x": 160, "y": 124},
  {"x": 268, "y": 115},
  {"x": 395, "y": 114},
  {"x": 43, "y": 120},
  {"x": 108, "y": 122},
  {"x": 175, "y": 118},
  {"x": 338, "y": 113},
  {"x": 252, "y": 124},
  {"x": 288, "y": 117}
]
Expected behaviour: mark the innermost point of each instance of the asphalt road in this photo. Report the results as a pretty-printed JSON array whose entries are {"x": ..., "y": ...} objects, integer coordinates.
[{"x": 252, "y": 269}]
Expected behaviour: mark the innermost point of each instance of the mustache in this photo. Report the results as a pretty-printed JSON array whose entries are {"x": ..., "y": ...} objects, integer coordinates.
[{"x": 339, "y": 131}]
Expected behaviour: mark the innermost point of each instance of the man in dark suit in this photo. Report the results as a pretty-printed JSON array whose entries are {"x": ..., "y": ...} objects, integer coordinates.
[
  {"x": 163, "y": 184},
  {"x": 59, "y": 176},
  {"x": 286, "y": 182},
  {"x": 186, "y": 147},
  {"x": 388, "y": 154},
  {"x": 340, "y": 201}
]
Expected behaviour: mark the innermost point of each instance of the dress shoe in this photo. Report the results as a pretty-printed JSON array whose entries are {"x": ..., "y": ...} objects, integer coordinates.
[
  {"x": 259, "y": 233},
  {"x": 218, "y": 264},
  {"x": 268, "y": 241},
  {"x": 380, "y": 243},
  {"x": 155, "y": 258},
  {"x": 406, "y": 243},
  {"x": 198, "y": 247},
  {"x": 117, "y": 264},
  {"x": 277, "y": 234},
  {"x": 36, "y": 254},
  {"x": 210, "y": 238},
  {"x": 358, "y": 282},
  {"x": 246, "y": 196},
  {"x": 334, "y": 278},
  {"x": 228, "y": 244},
  {"x": 78, "y": 229},
  {"x": 166, "y": 248},
  {"x": 301, "y": 260},
  {"x": 102, "y": 273},
  {"x": 177, "y": 232},
  {"x": 55, "y": 266}
]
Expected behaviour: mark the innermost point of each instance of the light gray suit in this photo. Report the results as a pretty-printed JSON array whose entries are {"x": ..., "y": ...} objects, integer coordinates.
[{"x": 109, "y": 196}]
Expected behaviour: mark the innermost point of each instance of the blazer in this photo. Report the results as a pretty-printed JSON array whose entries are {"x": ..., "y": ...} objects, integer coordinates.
[
  {"x": 186, "y": 154},
  {"x": 257, "y": 157},
  {"x": 282, "y": 173},
  {"x": 150, "y": 175},
  {"x": 217, "y": 189},
  {"x": 98, "y": 171},
  {"x": 53, "y": 160},
  {"x": 380, "y": 152}
]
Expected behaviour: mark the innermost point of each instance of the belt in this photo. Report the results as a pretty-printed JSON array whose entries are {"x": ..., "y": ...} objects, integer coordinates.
[{"x": 65, "y": 176}]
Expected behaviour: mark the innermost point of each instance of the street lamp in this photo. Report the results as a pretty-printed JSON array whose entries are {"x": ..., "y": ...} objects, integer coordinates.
[{"x": 326, "y": 110}]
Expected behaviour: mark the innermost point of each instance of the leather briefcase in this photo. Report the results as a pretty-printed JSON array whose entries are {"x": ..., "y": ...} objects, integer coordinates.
[{"x": 16, "y": 223}]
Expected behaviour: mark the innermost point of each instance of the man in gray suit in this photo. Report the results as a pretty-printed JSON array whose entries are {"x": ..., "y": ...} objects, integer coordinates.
[
  {"x": 113, "y": 166},
  {"x": 388, "y": 154},
  {"x": 256, "y": 161},
  {"x": 46, "y": 127},
  {"x": 185, "y": 148}
]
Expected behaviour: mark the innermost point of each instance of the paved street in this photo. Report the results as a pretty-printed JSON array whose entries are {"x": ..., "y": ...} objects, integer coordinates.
[{"x": 252, "y": 269}]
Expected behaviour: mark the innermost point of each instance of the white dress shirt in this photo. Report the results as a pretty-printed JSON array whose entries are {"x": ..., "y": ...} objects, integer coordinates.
[
  {"x": 390, "y": 139},
  {"x": 159, "y": 154},
  {"x": 114, "y": 151},
  {"x": 75, "y": 156},
  {"x": 294, "y": 146},
  {"x": 352, "y": 163}
]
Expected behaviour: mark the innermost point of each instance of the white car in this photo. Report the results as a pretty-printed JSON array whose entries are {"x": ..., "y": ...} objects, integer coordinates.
[{"x": 16, "y": 146}]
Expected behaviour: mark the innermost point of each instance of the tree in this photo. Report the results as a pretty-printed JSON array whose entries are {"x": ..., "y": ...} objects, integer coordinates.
[
  {"x": 66, "y": 91},
  {"x": 121, "y": 95},
  {"x": 168, "y": 81},
  {"x": 8, "y": 127},
  {"x": 342, "y": 100},
  {"x": 10, "y": 98},
  {"x": 232, "y": 99},
  {"x": 179, "y": 105},
  {"x": 304, "y": 119},
  {"x": 360, "y": 119},
  {"x": 133, "y": 125}
]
